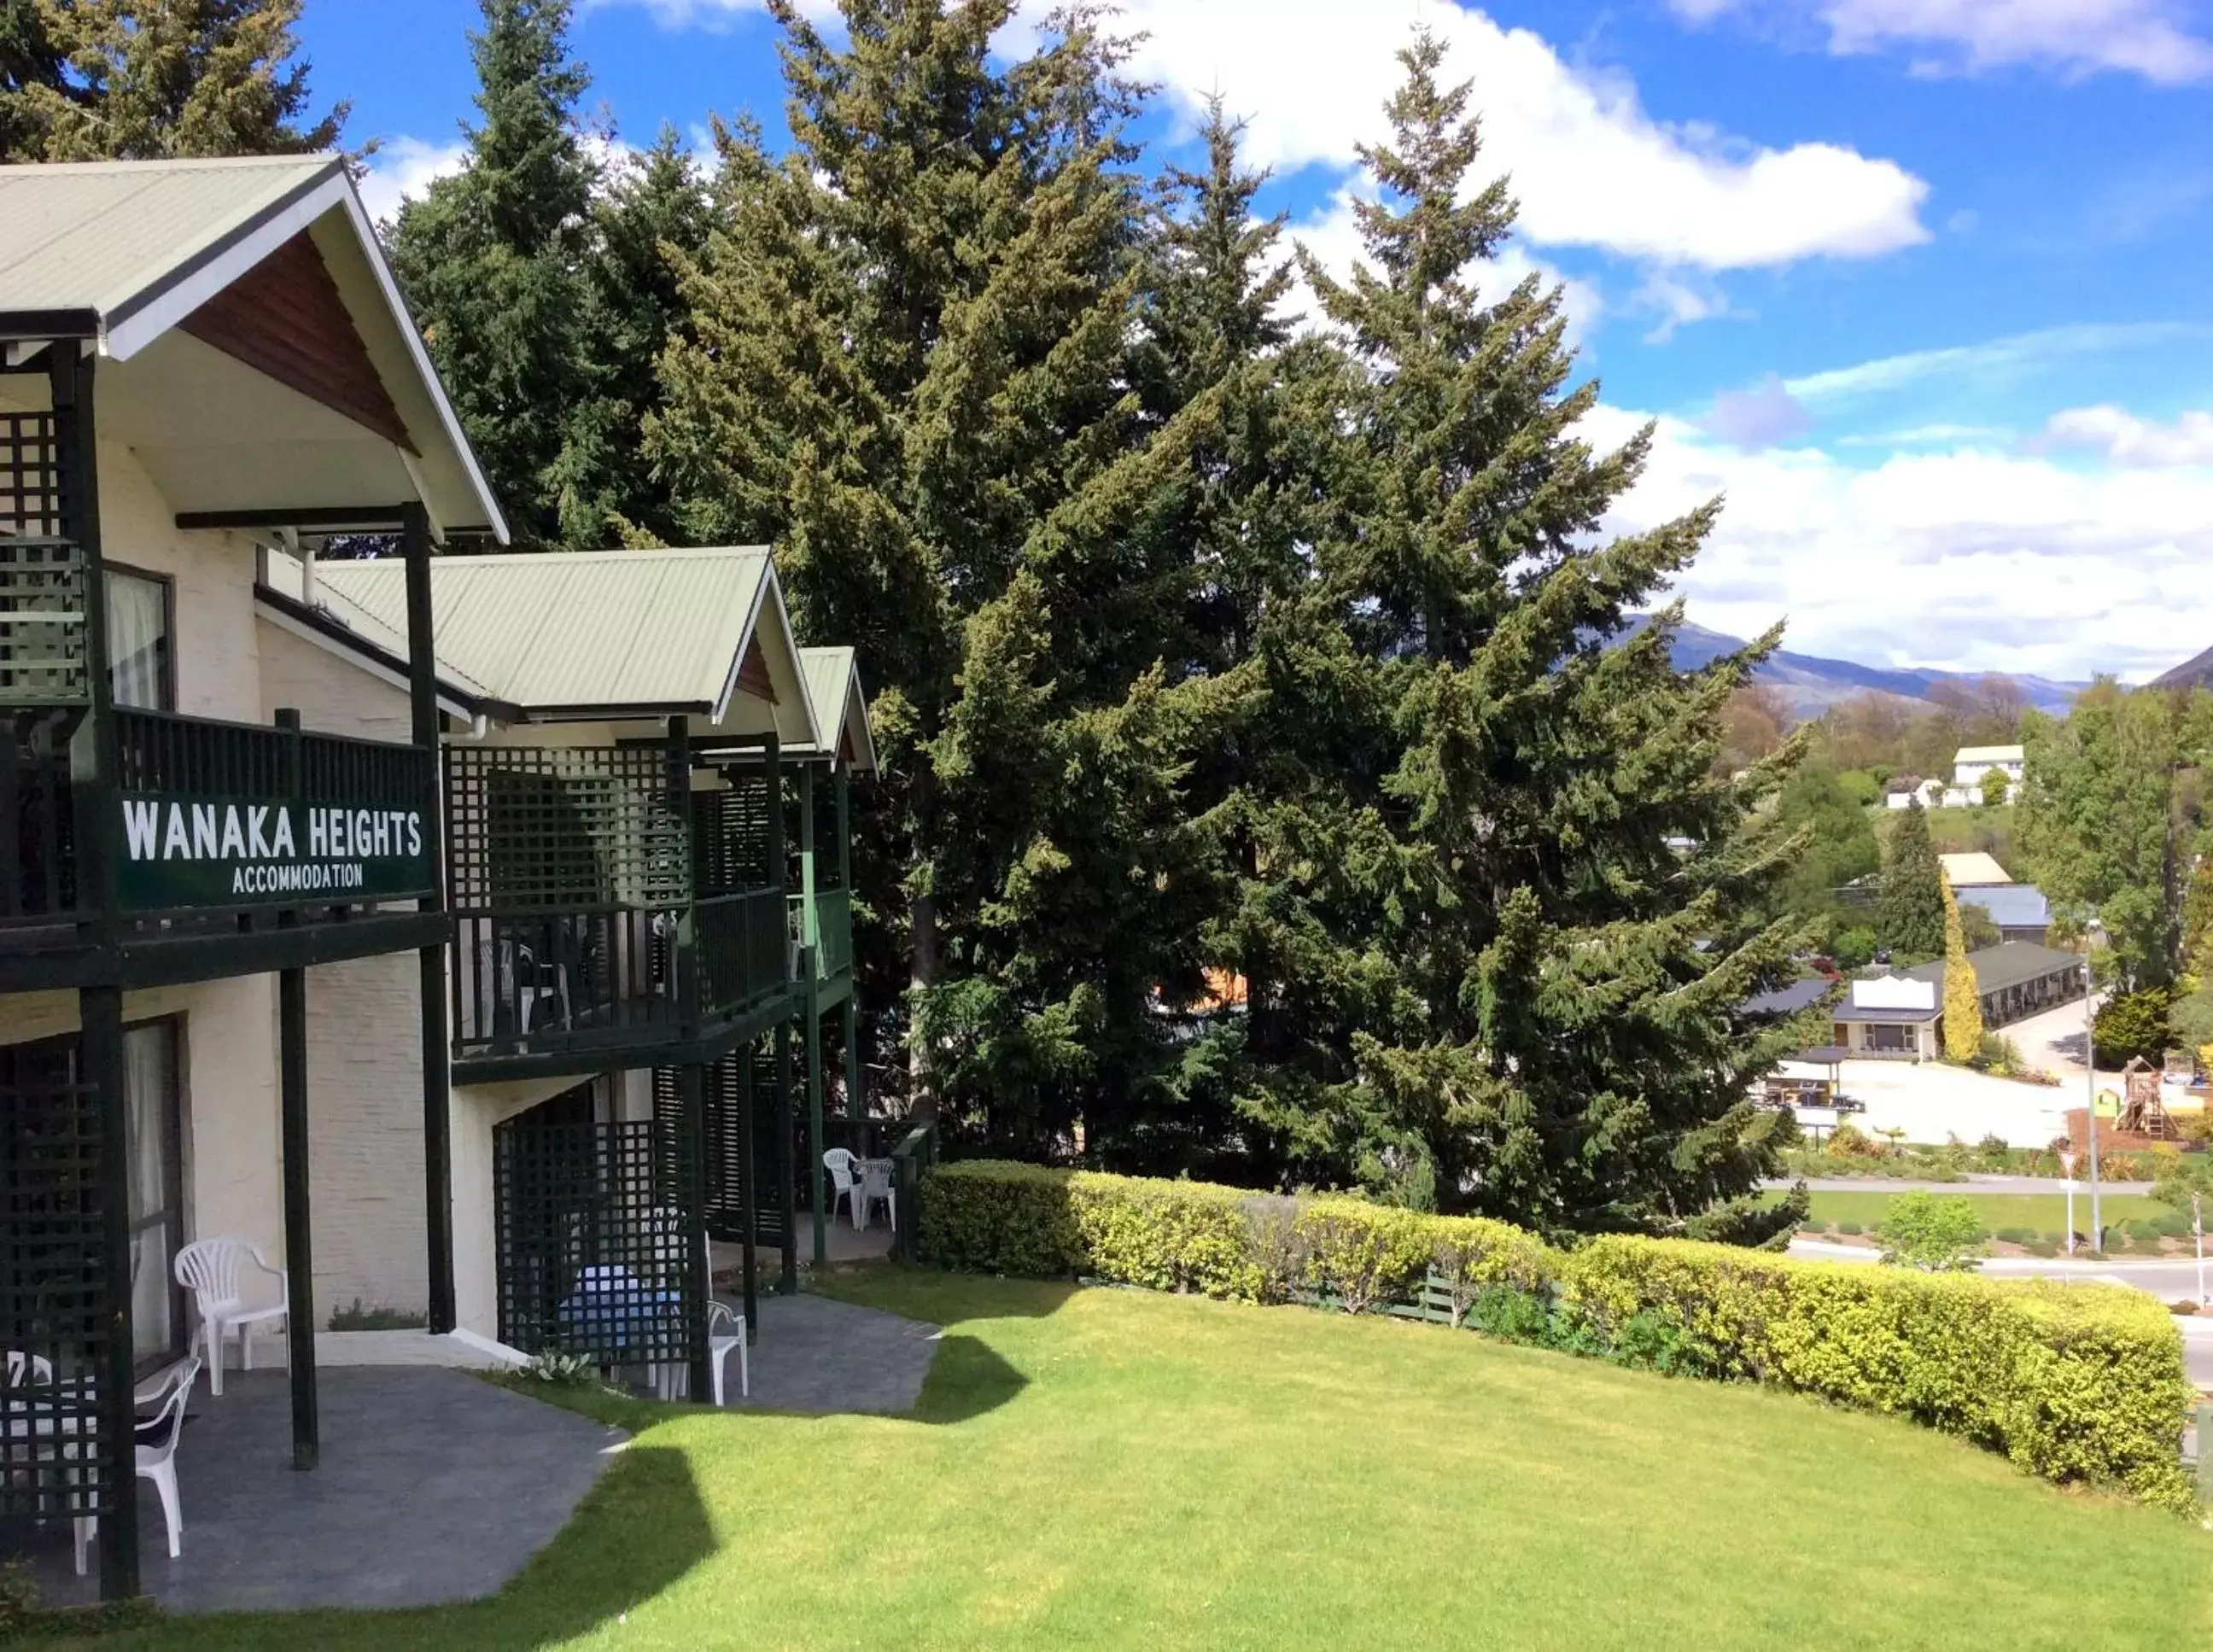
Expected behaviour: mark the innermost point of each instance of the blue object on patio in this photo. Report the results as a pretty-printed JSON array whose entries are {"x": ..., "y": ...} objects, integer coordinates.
[{"x": 613, "y": 1310}]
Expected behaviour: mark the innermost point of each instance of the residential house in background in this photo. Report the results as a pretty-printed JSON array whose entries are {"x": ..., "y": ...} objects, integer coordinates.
[
  {"x": 1899, "y": 1015},
  {"x": 1972, "y": 765}
]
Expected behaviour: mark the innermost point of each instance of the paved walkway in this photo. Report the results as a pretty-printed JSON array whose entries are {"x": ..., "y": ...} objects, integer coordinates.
[
  {"x": 434, "y": 1486},
  {"x": 821, "y": 1356}
]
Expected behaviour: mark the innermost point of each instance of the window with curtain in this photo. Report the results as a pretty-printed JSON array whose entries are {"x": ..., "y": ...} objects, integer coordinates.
[
  {"x": 139, "y": 640},
  {"x": 151, "y": 1099}
]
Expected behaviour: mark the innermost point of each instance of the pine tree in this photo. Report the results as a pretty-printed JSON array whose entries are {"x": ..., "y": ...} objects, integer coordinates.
[
  {"x": 908, "y": 365},
  {"x": 93, "y": 80},
  {"x": 1963, "y": 1003},
  {"x": 1523, "y": 903},
  {"x": 1910, "y": 916},
  {"x": 491, "y": 260},
  {"x": 653, "y": 211}
]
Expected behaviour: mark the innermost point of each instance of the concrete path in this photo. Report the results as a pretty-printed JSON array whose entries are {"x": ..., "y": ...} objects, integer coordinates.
[
  {"x": 821, "y": 1356},
  {"x": 434, "y": 1486},
  {"x": 1973, "y": 1184}
]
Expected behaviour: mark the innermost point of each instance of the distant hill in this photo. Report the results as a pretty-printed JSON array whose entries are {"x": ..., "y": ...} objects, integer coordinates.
[
  {"x": 1814, "y": 684},
  {"x": 2196, "y": 672}
]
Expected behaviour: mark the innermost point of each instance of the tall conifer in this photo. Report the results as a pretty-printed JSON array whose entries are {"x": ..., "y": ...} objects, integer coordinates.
[
  {"x": 1527, "y": 904},
  {"x": 96, "y": 80},
  {"x": 1909, "y": 915},
  {"x": 909, "y": 366},
  {"x": 491, "y": 260}
]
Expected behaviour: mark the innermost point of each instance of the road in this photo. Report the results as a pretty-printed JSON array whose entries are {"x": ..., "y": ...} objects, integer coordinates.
[{"x": 1973, "y": 1184}]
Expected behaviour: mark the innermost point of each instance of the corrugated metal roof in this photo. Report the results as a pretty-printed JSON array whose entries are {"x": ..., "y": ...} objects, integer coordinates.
[
  {"x": 657, "y": 629},
  {"x": 98, "y": 235},
  {"x": 2008, "y": 965},
  {"x": 839, "y": 706},
  {"x": 286, "y": 576},
  {"x": 1973, "y": 867},
  {"x": 2011, "y": 906}
]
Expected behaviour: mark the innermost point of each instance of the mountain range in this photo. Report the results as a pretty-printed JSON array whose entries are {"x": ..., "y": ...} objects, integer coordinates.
[{"x": 1814, "y": 684}]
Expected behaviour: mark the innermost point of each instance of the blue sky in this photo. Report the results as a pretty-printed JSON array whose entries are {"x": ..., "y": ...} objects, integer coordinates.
[{"x": 1920, "y": 285}]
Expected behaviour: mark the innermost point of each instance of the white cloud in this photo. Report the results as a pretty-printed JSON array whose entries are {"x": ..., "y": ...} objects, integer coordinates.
[
  {"x": 2121, "y": 436},
  {"x": 2154, "y": 39},
  {"x": 1590, "y": 167},
  {"x": 1975, "y": 556},
  {"x": 1765, "y": 416},
  {"x": 1995, "y": 363},
  {"x": 711, "y": 13},
  {"x": 402, "y": 168}
]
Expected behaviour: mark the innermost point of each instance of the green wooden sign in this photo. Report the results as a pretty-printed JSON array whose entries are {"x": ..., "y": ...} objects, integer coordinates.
[{"x": 180, "y": 851}]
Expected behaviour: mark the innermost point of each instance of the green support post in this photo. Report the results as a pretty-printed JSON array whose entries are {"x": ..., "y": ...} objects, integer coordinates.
[
  {"x": 430, "y": 961},
  {"x": 857, "y": 1106},
  {"x": 787, "y": 1184},
  {"x": 292, "y": 1129},
  {"x": 100, "y": 1008},
  {"x": 691, "y": 1081},
  {"x": 749, "y": 1192},
  {"x": 100, "y": 1011},
  {"x": 811, "y": 938}
]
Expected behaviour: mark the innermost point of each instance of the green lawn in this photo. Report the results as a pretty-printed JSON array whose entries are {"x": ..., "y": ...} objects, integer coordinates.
[
  {"x": 1112, "y": 1468},
  {"x": 2046, "y": 1212}
]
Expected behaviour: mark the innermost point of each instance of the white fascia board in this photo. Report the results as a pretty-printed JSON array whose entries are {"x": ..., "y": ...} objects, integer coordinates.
[
  {"x": 770, "y": 586},
  {"x": 126, "y": 338},
  {"x": 357, "y": 216}
]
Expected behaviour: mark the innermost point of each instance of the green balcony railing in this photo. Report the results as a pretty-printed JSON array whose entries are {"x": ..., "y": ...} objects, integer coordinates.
[{"x": 831, "y": 936}]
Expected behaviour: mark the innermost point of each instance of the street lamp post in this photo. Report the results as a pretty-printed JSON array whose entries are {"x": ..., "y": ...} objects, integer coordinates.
[
  {"x": 2090, "y": 1080},
  {"x": 2198, "y": 1226},
  {"x": 2090, "y": 1086}
]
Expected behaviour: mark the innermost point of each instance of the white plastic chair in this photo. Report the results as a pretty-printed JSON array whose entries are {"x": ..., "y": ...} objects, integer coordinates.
[
  {"x": 726, "y": 1329},
  {"x": 875, "y": 1180},
  {"x": 155, "y": 1453},
  {"x": 844, "y": 1184},
  {"x": 209, "y": 1268}
]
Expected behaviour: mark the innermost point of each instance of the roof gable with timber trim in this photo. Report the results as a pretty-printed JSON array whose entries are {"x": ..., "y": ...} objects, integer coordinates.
[
  {"x": 254, "y": 348},
  {"x": 606, "y": 634},
  {"x": 840, "y": 709}
]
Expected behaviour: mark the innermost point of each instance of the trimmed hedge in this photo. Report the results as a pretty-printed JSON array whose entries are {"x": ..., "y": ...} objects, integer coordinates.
[{"x": 2076, "y": 1383}]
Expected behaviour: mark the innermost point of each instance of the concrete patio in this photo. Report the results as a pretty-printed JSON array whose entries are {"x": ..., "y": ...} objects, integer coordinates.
[
  {"x": 434, "y": 1486},
  {"x": 821, "y": 1356}
]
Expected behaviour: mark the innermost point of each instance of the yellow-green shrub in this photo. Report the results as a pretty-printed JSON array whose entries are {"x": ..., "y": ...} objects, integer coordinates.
[{"x": 2073, "y": 1383}]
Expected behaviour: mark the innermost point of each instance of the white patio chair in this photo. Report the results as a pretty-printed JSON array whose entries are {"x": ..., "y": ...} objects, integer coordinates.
[
  {"x": 726, "y": 1329},
  {"x": 210, "y": 1269},
  {"x": 876, "y": 1183},
  {"x": 155, "y": 1452},
  {"x": 844, "y": 1184}
]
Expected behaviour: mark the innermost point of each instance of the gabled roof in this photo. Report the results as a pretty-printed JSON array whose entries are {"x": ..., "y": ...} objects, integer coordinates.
[
  {"x": 1972, "y": 868},
  {"x": 840, "y": 709},
  {"x": 602, "y": 634},
  {"x": 2008, "y": 963},
  {"x": 331, "y": 618},
  {"x": 125, "y": 253}
]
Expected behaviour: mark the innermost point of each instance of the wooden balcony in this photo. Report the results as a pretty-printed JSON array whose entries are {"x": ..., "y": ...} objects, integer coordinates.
[
  {"x": 604, "y": 915},
  {"x": 226, "y": 848},
  {"x": 827, "y": 939}
]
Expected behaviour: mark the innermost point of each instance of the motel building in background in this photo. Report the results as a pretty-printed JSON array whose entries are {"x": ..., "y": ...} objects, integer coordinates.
[{"x": 459, "y": 930}]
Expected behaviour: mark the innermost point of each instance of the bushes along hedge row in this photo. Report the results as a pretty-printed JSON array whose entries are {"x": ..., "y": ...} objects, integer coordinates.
[{"x": 2073, "y": 1383}]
